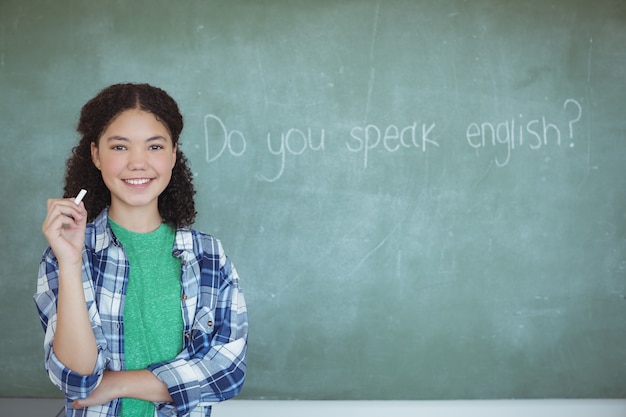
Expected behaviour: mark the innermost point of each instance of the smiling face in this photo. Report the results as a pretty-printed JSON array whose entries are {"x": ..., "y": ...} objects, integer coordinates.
[{"x": 135, "y": 155}]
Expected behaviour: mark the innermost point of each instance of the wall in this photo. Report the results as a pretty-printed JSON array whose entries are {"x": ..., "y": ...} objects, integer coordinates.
[{"x": 425, "y": 200}]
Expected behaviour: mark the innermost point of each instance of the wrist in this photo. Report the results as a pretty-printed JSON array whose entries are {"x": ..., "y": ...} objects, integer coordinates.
[
  {"x": 116, "y": 383},
  {"x": 71, "y": 266},
  {"x": 140, "y": 384}
]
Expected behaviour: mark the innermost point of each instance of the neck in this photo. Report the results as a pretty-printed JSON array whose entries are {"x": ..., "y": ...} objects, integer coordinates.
[{"x": 136, "y": 220}]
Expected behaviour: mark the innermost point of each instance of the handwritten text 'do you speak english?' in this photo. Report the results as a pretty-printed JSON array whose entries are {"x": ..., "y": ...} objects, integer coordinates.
[{"x": 507, "y": 137}]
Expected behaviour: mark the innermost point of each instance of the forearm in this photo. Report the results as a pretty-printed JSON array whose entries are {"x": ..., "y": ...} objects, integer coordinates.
[
  {"x": 141, "y": 385},
  {"x": 74, "y": 341}
]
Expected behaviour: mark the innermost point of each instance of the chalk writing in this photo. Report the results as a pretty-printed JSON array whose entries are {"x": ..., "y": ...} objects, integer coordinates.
[
  {"x": 517, "y": 133},
  {"x": 226, "y": 139},
  {"x": 294, "y": 142},
  {"x": 507, "y": 136},
  {"x": 365, "y": 139},
  {"x": 576, "y": 119},
  {"x": 535, "y": 134}
]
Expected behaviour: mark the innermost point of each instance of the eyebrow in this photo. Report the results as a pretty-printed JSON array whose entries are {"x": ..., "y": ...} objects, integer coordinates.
[{"x": 125, "y": 139}]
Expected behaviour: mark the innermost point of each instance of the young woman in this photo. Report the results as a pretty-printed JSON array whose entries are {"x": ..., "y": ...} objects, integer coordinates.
[{"x": 142, "y": 315}]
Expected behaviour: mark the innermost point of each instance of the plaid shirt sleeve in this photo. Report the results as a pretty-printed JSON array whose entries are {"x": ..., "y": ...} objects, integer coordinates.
[
  {"x": 212, "y": 364},
  {"x": 72, "y": 384}
]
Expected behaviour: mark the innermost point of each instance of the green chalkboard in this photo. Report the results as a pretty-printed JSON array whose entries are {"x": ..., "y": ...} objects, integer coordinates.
[{"x": 424, "y": 199}]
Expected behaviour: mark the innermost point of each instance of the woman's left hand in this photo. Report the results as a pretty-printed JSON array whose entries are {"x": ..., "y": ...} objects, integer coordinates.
[
  {"x": 140, "y": 384},
  {"x": 105, "y": 392}
]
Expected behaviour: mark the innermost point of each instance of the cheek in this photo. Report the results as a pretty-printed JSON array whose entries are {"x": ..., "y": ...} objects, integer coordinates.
[
  {"x": 169, "y": 164},
  {"x": 111, "y": 169},
  {"x": 164, "y": 167},
  {"x": 111, "y": 166}
]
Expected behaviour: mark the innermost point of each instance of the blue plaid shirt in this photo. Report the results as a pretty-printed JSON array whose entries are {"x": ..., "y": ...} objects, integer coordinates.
[{"x": 212, "y": 364}]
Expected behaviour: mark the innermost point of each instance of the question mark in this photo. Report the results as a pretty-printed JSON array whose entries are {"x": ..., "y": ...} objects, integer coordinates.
[{"x": 571, "y": 123}]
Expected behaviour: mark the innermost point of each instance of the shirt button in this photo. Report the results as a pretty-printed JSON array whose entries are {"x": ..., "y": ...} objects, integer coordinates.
[
  {"x": 184, "y": 297},
  {"x": 176, "y": 253},
  {"x": 187, "y": 336},
  {"x": 210, "y": 323}
]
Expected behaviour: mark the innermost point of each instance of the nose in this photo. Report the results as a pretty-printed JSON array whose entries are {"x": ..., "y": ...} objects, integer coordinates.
[{"x": 137, "y": 159}]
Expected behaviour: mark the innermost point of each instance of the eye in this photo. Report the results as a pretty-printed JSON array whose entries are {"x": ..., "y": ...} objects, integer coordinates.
[
  {"x": 118, "y": 147},
  {"x": 155, "y": 147}
]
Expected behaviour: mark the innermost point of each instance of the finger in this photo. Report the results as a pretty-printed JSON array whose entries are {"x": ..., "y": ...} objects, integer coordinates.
[
  {"x": 59, "y": 221},
  {"x": 66, "y": 207}
]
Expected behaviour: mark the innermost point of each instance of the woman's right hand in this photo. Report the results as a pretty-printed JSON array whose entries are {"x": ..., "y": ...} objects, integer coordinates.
[
  {"x": 64, "y": 228},
  {"x": 74, "y": 342}
]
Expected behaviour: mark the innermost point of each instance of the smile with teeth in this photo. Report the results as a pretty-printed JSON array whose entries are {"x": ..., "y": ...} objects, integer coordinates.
[{"x": 137, "y": 181}]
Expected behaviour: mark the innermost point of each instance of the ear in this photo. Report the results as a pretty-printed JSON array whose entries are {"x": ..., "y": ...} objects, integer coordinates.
[
  {"x": 95, "y": 155},
  {"x": 174, "y": 154}
]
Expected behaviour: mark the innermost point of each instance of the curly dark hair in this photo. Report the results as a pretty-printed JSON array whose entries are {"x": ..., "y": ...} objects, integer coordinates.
[{"x": 176, "y": 203}]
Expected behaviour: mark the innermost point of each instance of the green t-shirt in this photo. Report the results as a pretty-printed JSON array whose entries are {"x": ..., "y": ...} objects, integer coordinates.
[{"x": 153, "y": 322}]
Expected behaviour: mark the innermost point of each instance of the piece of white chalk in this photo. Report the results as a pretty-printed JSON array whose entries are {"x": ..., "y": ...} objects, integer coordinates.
[{"x": 80, "y": 196}]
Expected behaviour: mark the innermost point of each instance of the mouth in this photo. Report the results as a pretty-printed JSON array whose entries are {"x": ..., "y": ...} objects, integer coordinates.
[{"x": 137, "y": 181}]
